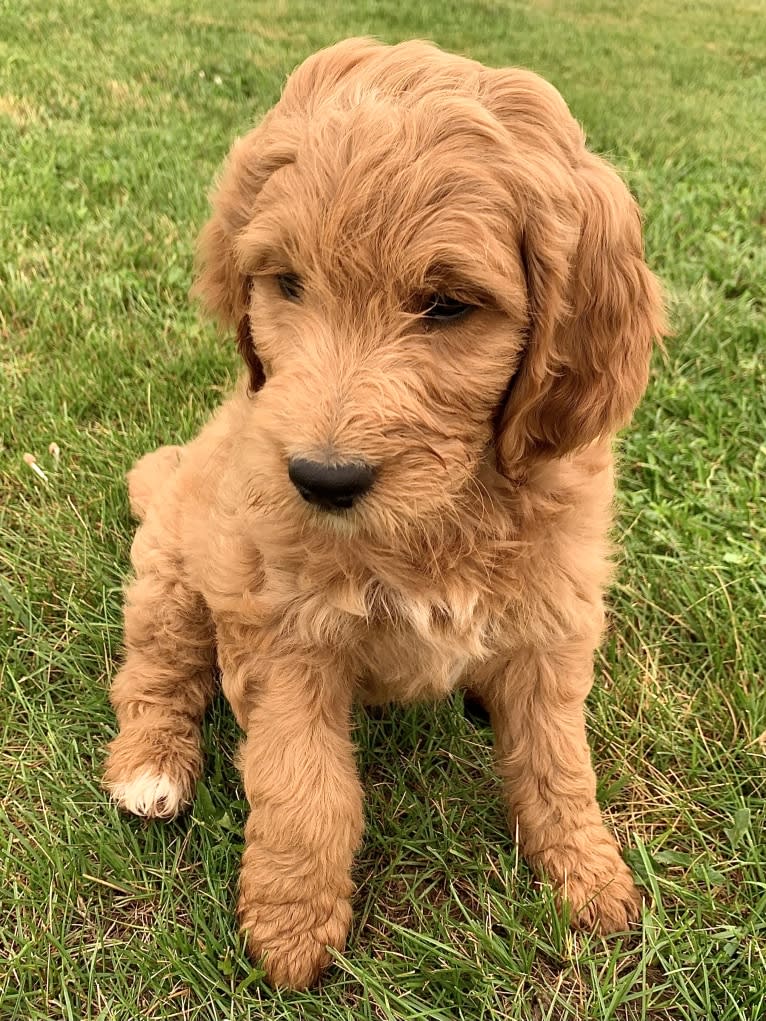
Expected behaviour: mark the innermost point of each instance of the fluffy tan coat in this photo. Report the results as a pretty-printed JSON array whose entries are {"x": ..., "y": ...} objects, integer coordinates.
[{"x": 386, "y": 176}]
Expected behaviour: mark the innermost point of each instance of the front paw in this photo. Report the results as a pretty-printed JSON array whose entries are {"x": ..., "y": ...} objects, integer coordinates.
[
  {"x": 151, "y": 771},
  {"x": 593, "y": 885},
  {"x": 290, "y": 939}
]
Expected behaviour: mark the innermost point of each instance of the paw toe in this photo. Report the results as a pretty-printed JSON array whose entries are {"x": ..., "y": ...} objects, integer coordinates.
[
  {"x": 151, "y": 795},
  {"x": 605, "y": 904}
]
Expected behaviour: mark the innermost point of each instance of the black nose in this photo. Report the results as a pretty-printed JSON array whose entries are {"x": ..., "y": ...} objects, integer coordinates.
[{"x": 334, "y": 487}]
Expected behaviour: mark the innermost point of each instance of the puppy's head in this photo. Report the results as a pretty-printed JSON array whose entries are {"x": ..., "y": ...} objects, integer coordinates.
[{"x": 422, "y": 263}]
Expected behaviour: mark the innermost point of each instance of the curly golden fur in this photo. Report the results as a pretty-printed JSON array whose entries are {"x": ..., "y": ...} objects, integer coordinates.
[{"x": 385, "y": 176}]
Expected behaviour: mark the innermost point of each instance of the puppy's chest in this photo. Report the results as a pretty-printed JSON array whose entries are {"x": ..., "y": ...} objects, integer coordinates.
[{"x": 421, "y": 650}]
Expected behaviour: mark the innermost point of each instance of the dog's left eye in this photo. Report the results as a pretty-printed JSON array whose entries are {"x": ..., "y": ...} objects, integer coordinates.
[
  {"x": 443, "y": 308},
  {"x": 291, "y": 286}
]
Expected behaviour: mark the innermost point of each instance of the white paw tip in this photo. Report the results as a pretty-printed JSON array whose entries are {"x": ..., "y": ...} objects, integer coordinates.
[{"x": 152, "y": 795}]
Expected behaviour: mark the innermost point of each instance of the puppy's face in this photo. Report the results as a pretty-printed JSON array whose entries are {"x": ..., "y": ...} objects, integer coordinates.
[
  {"x": 422, "y": 261},
  {"x": 387, "y": 310}
]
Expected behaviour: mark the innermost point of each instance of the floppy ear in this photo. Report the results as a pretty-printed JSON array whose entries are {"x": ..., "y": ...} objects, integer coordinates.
[
  {"x": 594, "y": 311},
  {"x": 220, "y": 283}
]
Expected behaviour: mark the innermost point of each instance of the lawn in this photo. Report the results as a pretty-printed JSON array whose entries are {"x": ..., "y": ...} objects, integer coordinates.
[{"x": 113, "y": 119}]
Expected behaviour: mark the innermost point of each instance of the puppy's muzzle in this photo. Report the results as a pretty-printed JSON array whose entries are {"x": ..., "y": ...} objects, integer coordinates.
[{"x": 331, "y": 487}]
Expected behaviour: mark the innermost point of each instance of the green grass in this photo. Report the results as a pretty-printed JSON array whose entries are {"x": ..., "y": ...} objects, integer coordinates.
[{"x": 113, "y": 119}]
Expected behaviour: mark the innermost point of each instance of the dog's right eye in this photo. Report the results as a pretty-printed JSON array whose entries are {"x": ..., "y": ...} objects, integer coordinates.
[
  {"x": 290, "y": 285},
  {"x": 442, "y": 308}
]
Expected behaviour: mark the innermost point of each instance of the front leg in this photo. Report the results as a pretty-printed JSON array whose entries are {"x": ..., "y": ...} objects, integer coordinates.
[
  {"x": 305, "y": 821},
  {"x": 164, "y": 685},
  {"x": 536, "y": 704}
]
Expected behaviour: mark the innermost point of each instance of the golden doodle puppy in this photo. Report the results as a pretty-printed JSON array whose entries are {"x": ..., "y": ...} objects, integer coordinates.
[{"x": 445, "y": 313}]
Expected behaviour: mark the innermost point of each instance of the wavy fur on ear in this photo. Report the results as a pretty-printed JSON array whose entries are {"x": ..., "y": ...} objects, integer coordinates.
[
  {"x": 595, "y": 310},
  {"x": 220, "y": 283}
]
